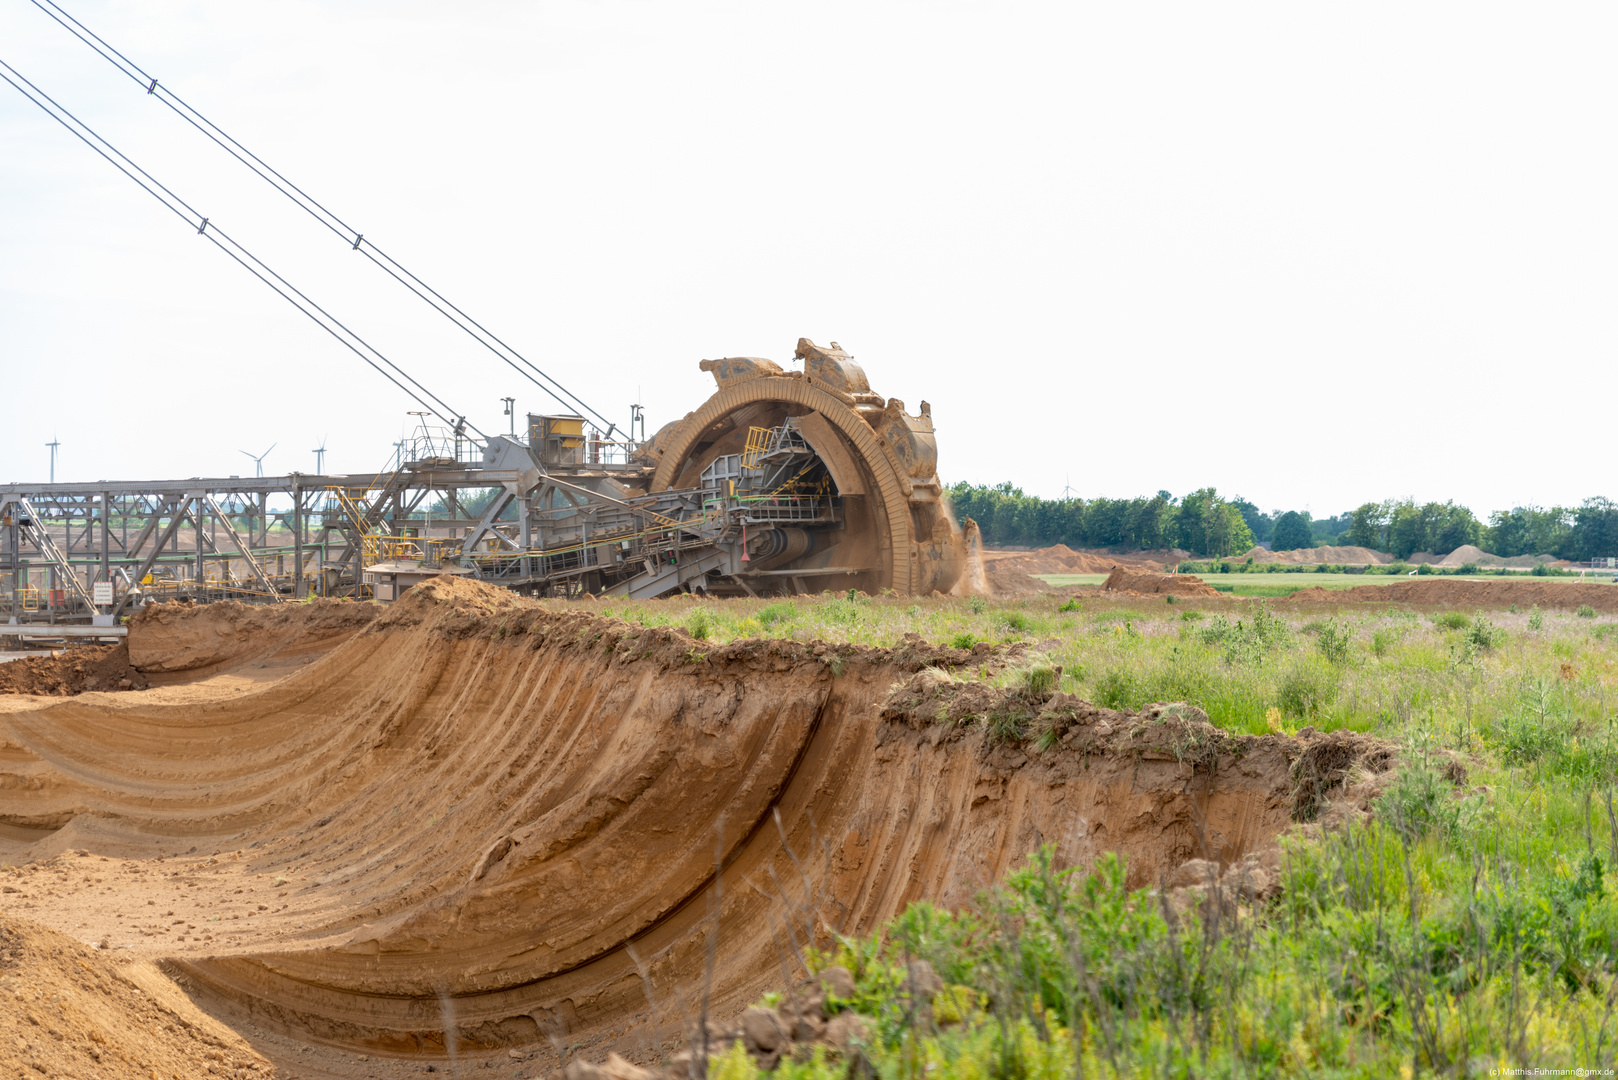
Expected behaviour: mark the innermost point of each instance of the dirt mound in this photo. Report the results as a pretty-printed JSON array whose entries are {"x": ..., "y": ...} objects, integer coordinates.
[
  {"x": 1009, "y": 581},
  {"x": 1519, "y": 562},
  {"x": 185, "y": 637},
  {"x": 68, "y": 1010},
  {"x": 1469, "y": 593},
  {"x": 1336, "y": 556},
  {"x": 74, "y": 671},
  {"x": 471, "y": 766},
  {"x": 1062, "y": 559},
  {"x": 1122, "y": 580},
  {"x": 1470, "y": 553}
]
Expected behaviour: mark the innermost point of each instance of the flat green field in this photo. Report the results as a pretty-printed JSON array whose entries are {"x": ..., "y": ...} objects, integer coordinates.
[{"x": 1266, "y": 584}]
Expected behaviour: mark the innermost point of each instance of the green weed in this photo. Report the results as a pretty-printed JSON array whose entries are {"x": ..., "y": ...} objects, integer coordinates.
[
  {"x": 1307, "y": 689},
  {"x": 1332, "y": 639},
  {"x": 782, "y": 611}
]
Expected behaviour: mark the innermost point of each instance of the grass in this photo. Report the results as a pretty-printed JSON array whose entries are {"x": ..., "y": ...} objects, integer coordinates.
[
  {"x": 1267, "y": 585},
  {"x": 1351, "y": 669},
  {"x": 1463, "y": 928}
]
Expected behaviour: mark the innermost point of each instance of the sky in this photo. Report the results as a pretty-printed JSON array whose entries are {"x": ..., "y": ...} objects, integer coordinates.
[{"x": 1310, "y": 254}]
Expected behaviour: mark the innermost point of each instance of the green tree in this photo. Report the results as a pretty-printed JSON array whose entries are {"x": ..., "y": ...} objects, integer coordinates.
[
  {"x": 1454, "y": 526},
  {"x": 1368, "y": 527},
  {"x": 1437, "y": 528},
  {"x": 1151, "y": 519},
  {"x": 1410, "y": 529},
  {"x": 1528, "y": 530},
  {"x": 1187, "y": 528},
  {"x": 1330, "y": 530},
  {"x": 1595, "y": 530},
  {"x": 1292, "y": 531},
  {"x": 1258, "y": 523},
  {"x": 1224, "y": 530}
]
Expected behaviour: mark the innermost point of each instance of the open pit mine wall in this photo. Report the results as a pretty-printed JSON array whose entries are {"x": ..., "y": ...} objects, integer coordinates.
[
  {"x": 498, "y": 807},
  {"x": 883, "y": 460}
]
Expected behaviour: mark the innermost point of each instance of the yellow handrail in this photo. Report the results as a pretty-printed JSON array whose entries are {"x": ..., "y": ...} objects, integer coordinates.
[
  {"x": 758, "y": 441},
  {"x": 375, "y": 549}
]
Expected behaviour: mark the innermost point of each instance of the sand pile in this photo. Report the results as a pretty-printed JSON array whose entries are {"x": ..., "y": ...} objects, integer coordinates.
[
  {"x": 73, "y": 671},
  {"x": 1471, "y": 553},
  {"x": 471, "y": 766},
  {"x": 1336, "y": 556},
  {"x": 1062, "y": 559},
  {"x": 70, "y": 1010},
  {"x": 1529, "y": 592},
  {"x": 1009, "y": 581},
  {"x": 180, "y": 637},
  {"x": 1122, "y": 580}
]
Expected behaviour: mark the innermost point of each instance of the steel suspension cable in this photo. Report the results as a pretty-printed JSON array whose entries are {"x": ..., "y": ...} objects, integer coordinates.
[
  {"x": 470, "y": 326},
  {"x": 222, "y": 240}
]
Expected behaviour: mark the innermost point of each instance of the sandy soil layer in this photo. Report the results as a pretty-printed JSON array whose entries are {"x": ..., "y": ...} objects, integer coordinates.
[
  {"x": 67, "y": 1009},
  {"x": 74, "y": 670},
  {"x": 178, "y": 637}
]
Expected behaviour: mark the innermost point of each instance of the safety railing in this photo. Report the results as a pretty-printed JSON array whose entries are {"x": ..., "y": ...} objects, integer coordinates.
[
  {"x": 768, "y": 508},
  {"x": 758, "y": 441},
  {"x": 439, "y": 448},
  {"x": 377, "y": 549}
]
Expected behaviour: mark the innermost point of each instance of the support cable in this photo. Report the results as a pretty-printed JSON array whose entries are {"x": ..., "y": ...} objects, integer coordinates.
[
  {"x": 355, "y": 239},
  {"x": 222, "y": 240}
]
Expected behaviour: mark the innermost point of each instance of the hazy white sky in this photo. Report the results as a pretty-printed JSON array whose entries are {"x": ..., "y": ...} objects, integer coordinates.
[{"x": 1313, "y": 254}]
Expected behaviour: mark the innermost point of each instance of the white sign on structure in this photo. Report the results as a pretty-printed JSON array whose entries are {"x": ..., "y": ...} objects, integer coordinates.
[{"x": 103, "y": 592}]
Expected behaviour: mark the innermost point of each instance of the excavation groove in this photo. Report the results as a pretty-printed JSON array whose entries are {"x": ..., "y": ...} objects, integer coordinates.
[{"x": 483, "y": 799}]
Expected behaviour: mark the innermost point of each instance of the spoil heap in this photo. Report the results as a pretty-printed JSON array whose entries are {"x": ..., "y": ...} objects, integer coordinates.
[
  {"x": 1062, "y": 559},
  {"x": 1335, "y": 556},
  {"x": 73, "y": 671},
  {"x": 70, "y": 1010},
  {"x": 1130, "y": 581}
]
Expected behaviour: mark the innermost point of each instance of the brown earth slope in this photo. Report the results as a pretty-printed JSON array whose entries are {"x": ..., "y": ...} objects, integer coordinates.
[
  {"x": 1062, "y": 559},
  {"x": 1124, "y": 580},
  {"x": 179, "y": 637},
  {"x": 481, "y": 815},
  {"x": 72, "y": 671},
  {"x": 69, "y": 1010}
]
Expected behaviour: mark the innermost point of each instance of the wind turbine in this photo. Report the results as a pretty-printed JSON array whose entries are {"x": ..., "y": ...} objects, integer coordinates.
[
  {"x": 258, "y": 461},
  {"x": 320, "y": 457},
  {"x": 1067, "y": 488},
  {"x": 53, "y": 444}
]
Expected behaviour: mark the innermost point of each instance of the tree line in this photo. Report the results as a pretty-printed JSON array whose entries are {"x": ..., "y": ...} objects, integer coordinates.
[
  {"x": 1207, "y": 524},
  {"x": 1201, "y": 522}
]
